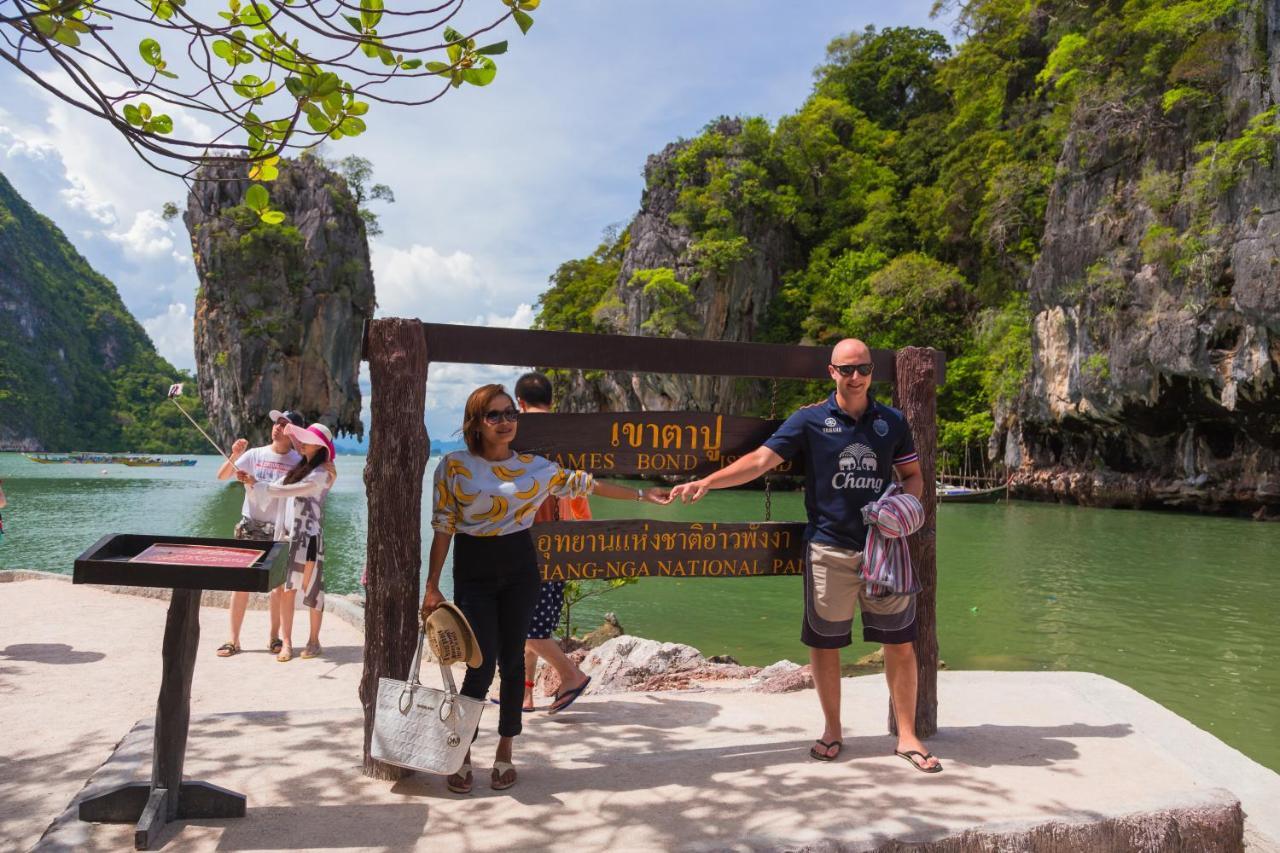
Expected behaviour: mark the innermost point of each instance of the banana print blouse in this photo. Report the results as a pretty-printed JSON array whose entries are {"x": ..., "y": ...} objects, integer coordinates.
[{"x": 483, "y": 498}]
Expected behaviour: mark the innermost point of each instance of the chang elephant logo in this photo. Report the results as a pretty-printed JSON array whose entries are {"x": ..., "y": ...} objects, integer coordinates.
[{"x": 854, "y": 463}]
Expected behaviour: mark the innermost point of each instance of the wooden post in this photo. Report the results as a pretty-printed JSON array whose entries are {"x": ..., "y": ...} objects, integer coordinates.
[
  {"x": 398, "y": 452},
  {"x": 173, "y": 707},
  {"x": 915, "y": 394},
  {"x": 168, "y": 798}
]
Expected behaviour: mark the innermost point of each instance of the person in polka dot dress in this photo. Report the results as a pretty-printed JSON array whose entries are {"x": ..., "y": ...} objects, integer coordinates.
[{"x": 533, "y": 396}]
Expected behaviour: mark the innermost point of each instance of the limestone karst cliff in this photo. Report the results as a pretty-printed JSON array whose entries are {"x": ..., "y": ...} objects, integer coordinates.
[
  {"x": 281, "y": 307},
  {"x": 1076, "y": 202},
  {"x": 1156, "y": 301},
  {"x": 728, "y": 302}
]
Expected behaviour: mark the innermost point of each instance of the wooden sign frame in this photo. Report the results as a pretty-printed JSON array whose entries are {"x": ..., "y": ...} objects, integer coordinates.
[
  {"x": 399, "y": 352},
  {"x": 637, "y": 444}
]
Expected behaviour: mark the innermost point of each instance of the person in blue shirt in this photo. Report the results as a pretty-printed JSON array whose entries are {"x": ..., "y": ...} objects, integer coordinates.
[{"x": 852, "y": 446}]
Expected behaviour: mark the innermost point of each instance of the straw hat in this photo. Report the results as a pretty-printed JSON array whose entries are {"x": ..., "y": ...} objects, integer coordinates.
[{"x": 450, "y": 638}]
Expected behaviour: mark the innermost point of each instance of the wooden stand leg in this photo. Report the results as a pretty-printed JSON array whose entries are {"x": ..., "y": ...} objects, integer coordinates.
[{"x": 168, "y": 797}]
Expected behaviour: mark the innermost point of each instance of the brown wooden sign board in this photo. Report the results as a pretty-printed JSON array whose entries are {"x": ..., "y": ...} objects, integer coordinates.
[
  {"x": 625, "y": 444},
  {"x": 635, "y": 548},
  {"x": 638, "y": 354}
]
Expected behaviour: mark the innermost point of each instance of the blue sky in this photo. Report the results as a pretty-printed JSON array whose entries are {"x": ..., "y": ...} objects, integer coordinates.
[{"x": 495, "y": 187}]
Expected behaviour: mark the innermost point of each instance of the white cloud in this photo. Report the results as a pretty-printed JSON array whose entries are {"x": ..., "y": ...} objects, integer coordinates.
[
  {"x": 421, "y": 281},
  {"x": 522, "y": 318},
  {"x": 148, "y": 237},
  {"x": 172, "y": 333}
]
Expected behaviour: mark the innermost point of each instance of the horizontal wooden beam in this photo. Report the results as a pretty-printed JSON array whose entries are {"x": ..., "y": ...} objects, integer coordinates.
[
  {"x": 636, "y": 548},
  {"x": 578, "y": 350},
  {"x": 626, "y": 444}
]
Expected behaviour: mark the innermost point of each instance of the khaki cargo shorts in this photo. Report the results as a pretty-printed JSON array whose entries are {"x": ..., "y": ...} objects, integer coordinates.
[{"x": 833, "y": 587}]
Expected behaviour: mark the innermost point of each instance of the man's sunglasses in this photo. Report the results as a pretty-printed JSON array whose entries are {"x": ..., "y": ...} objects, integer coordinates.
[
  {"x": 849, "y": 369},
  {"x": 497, "y": 416}
]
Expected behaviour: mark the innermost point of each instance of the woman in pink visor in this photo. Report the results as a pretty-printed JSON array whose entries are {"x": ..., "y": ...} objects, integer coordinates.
[{"x": 301, "y": 524}]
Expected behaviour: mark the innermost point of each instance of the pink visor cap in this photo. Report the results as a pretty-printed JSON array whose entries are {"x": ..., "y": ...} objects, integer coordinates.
[{"x": 317, "y": 434}]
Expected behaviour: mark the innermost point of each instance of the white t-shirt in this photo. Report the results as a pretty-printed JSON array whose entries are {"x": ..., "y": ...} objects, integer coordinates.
[{"x": 266, "y": 466}]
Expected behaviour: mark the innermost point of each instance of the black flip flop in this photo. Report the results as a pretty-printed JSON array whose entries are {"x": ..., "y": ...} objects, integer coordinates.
[
  {"x": 571, "y": 695},
  {"x": 924, "y": 756},
  {"x": 822, "y": 756}
]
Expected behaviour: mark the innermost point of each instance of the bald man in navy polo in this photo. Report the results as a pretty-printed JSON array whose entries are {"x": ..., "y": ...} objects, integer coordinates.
[{"x": 853, "y": 446}]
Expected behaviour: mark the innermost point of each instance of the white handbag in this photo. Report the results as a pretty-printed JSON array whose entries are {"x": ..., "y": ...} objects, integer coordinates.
[{"x": 420, "y": 727}]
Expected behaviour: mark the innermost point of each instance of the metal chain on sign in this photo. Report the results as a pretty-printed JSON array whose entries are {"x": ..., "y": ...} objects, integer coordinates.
[{"x": 768, "y": 481}]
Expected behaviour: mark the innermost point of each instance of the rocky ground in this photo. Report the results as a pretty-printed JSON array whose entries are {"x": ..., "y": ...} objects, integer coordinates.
[{"x": 619, "y": 663}]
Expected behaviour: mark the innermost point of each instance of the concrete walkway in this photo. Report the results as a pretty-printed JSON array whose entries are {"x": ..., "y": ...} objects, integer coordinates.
[
  {"x": 1033, "y": 760},
  {"x": 79, "y": 667}
]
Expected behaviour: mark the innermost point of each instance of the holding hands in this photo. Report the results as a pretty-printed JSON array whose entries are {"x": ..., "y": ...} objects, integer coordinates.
[{"x": 687, "y": 492}]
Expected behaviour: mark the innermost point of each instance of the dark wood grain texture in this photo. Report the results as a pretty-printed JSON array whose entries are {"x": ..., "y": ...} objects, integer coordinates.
[
  {"x": 916, "y": 396},
  {"x": 521, "y": 347},
  {"x": 398, "y": 451},
  {"x": 628, "y": 444},
  {"x": 637, "y": 548}
]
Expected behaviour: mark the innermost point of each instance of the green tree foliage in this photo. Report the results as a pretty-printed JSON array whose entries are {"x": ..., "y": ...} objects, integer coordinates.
[
  {"x": 580, "y": 289},
  {"x": 891, "y": 75},
  {"x": 358, "y": 172},
  {"x": 914, "y": 179},
  {"x": 77, "y": 372},
  {"x": 671, "y": 313},
  {"x": 262, "y": 78}
]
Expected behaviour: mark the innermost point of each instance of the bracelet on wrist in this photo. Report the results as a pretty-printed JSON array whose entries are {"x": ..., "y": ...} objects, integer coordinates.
[{"x": 640, "y": 495}]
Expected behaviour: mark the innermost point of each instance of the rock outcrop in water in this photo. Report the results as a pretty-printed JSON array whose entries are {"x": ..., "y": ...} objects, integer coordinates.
[
  {"x": 281, "y": 308},
  {"x": 1157, "y": 309},
  {"x": 728, "y": 304}
]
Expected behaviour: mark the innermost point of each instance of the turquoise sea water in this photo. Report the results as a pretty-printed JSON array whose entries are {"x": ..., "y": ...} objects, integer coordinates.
[{"x": 1179, "y": 607}]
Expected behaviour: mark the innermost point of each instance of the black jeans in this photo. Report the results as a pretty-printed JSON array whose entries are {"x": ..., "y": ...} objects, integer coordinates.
[{"x": 496, "y": 583}]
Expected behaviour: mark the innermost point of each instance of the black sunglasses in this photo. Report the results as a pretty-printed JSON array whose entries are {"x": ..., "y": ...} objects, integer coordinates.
[
  {"x": 848, "y": 369},
  {"x": 497, "y": 416}
]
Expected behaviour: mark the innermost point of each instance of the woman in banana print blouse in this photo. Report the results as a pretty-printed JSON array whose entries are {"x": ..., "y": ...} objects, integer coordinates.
[{"x": 484, "y": 498}]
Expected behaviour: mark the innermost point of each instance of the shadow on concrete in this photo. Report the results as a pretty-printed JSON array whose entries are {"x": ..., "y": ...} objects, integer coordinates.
[
  {"x": 55, "y": 653},
  {"x": 389, "y": 826},
  {"x": 665, "y": 768},
  {"x": 338, "y": 654},
  {"x": 995, "y": 745},
  {"x": 18, "y": 802}
]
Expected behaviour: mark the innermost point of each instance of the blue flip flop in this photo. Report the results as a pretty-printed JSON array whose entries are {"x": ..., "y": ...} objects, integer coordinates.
[{"x": 571, "y": 695}]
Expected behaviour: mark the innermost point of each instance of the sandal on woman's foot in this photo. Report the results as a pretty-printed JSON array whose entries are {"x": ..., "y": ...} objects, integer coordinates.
[
  {"x": 910, "y": 756},
  {"x": 568, "y": 697},
  {"x": 286, "y": 654},
  {"x": 226, "y": 650},
  {"x": 823, "y": 754},
  {"x": 311, "y": 651},
  {"x": 460, "y": 782},
  {"x": 275, "y": 645},
  {"x": 528, "y": 708},
  {"x": 500, "y": 781}
]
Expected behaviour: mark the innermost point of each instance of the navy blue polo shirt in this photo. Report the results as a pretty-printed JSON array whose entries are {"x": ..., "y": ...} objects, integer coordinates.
[{"x": 847, "y": 464}]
